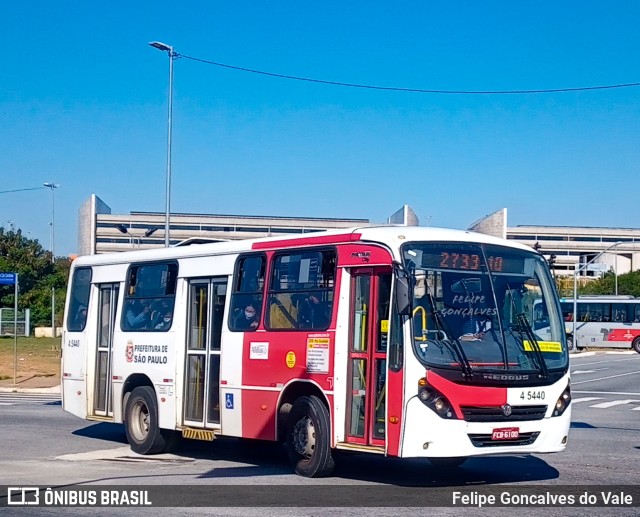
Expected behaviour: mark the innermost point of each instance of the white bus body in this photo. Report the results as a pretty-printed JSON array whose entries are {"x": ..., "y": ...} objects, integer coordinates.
[
  {"x": 355, "y": 346},
  {"x": 603, "y": 322}
]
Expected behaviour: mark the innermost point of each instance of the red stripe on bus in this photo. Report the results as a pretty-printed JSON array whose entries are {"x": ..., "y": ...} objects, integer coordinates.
[
  {"x": 395, "y": 388},
  {"x": 307, "y": 241},
  {"x": 464, "y": 395}
]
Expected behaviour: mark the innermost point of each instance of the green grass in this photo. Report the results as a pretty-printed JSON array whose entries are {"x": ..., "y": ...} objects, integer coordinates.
[
  {"x": 36, "y": 356},
  {"x": 31, "y": 344}
]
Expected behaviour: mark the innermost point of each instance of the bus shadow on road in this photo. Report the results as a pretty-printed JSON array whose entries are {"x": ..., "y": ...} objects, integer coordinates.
[
  {"x": 581, "y": 425},
  {"x": 257, "y": 458},
  {"x": 268, "y": 459},
  {"x": 421, "y": 473},
  {"x": 103, "y": 431}
]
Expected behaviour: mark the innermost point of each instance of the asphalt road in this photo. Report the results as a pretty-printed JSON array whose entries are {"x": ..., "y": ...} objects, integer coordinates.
[{"x": 42, "y": 445}]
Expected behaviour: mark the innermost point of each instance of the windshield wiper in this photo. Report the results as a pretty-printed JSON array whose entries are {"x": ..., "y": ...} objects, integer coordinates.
[
  {"x": 523, "y": 325},
  {"x": 453, "y": 344},
  {"x": 524, "y": 328}
]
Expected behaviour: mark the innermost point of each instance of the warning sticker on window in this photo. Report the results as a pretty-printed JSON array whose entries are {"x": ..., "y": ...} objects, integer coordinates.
[{"x": 317, "y": 355}]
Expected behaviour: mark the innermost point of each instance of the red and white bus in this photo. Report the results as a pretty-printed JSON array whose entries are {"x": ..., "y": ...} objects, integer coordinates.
[
  {"x": 602, "y": 321},
  {"x": 402, "y": 341}
]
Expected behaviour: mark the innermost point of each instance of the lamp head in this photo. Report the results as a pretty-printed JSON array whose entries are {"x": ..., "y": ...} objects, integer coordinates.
[{"x": 161, "y": 46}]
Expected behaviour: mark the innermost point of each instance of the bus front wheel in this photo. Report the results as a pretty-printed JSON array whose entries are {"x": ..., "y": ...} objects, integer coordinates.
[
  {"x": 141, "y": 423},
  {"x": 309, "y": 438},
  {"x": 636, "y": 344}
]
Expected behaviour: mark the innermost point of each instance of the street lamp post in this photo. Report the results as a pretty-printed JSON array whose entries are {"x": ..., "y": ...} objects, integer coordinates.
[
  {"x": 578, "y": 268},
  {"x": 172, "y": 55},
  {"x": 52, "y": 187},
  {"x": 132, "y": 238}
]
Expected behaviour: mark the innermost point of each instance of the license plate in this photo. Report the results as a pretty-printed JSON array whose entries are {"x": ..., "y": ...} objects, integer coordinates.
[{"x": 506, "y": 433}]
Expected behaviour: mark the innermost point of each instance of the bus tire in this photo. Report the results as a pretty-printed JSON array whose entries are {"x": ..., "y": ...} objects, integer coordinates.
[
  {"x": 141, "y": 423},
  {"x": 309, "y": 438},
  {"x": 636, "y": 344},
  {"x": 448, "y": 463}
]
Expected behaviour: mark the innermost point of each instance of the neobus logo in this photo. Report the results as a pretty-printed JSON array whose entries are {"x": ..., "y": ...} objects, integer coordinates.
[
  {"x": 364, "y": 255},
  {"x": 502, "y": 377}
]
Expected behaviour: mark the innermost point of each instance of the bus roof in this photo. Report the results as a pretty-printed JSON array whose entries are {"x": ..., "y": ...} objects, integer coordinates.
[{"x": 393, "y": 236}]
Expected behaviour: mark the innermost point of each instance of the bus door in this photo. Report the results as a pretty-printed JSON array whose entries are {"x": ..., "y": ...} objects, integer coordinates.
[
  {"x": 367, "y": 390},
  {"x": 107, "y": 306},
  {"x": 202, "y": 376}
]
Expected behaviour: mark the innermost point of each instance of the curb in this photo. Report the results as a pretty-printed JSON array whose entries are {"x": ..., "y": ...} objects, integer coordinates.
[{"x": 52, "y": 389}]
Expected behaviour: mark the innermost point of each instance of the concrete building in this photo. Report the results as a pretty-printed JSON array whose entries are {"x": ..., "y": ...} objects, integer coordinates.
[
  {"x": 591, "y": 251},
  {"x": 100, "y": 231}
]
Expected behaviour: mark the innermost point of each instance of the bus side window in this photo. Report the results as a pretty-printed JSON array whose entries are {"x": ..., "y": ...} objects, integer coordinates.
[
  {"x": 247, "y": 293},
  {"x": 619, "y": 313},
  {"x": 80, "y": 289},
  {"x": 301, "y": 290},
  {"x": 149, "y": 297}
]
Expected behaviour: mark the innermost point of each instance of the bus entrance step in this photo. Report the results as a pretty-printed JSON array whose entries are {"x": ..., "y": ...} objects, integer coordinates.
[{"x": 198, "y": 434}]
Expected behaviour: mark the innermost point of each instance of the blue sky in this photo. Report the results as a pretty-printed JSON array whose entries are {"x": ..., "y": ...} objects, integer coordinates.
[{"x": 83, "y": 103}]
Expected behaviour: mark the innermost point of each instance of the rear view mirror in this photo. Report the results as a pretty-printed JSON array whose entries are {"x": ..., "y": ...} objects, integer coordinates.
[{"x": 403, "y": 296}]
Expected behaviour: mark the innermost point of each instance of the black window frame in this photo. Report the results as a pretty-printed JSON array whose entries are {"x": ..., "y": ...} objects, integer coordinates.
[
  {"x": 242, "y": 295},
  {"x": 151, "y": 300},
  {"x": 75, "y": 303},
  {"x": 326, "y": 298}
]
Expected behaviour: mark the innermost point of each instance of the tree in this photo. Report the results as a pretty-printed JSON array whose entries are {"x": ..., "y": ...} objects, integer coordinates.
[
  {"x": 36, "y": 276},
  {"x": 628, "y": 284}
]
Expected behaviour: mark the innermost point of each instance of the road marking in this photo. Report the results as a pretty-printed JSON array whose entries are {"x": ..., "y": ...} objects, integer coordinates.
[
  {"x": 585, "y": 399},
  {"x": 607, "y": 393},
  {"x": 605, "y": 405},
  {"x": 578, "y": 372},
  {"x": 609, "y": 377},
  {"x": 6, "y": 403},
  {"x": 607, "y": 361},
  {"x": 636, "y": 408},
  {"x": 30, "y": 398},
  {"x": 124, "y": 454}
]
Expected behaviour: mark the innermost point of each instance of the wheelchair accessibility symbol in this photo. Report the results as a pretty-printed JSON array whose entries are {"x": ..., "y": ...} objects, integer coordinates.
[{"x": 228, "y": 400}]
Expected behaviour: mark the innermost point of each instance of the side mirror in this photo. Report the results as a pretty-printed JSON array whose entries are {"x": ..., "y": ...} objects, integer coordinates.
[{"x": 404, "y": 296}]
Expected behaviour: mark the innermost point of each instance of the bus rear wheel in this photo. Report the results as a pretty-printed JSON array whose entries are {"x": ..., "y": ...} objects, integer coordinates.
[
  {"x": 636, "y": 344},
  {"x": 141, "y": 423},
  {"x": 309, "y": 438}
]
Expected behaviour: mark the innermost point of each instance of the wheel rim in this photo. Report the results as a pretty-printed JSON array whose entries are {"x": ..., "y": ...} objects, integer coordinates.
[
  {"x": 140, "y": 421},
  {"x": 304, "y": 437}
]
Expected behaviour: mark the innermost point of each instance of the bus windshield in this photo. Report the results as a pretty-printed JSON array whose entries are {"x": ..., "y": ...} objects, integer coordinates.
[{"x": 484, "y": 308}]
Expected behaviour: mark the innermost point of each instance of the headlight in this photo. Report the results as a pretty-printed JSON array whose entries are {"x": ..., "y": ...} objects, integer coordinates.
[
  {"x": 563, "y": 401},
  {"x": 434, "y": 400}
]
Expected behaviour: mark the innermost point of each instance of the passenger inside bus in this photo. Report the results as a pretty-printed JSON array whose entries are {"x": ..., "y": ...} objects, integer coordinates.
[
  {"x": 138, "y": 314},
  {"x": 313, "y": 313},
  {"x": 165, "y": 322},
  {"x": 246, "y": 319},
  {"x": 80, "y": 317}
]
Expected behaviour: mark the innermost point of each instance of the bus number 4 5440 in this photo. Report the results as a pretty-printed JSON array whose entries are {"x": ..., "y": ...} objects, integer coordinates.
[{"x": 532, "y": 395}]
